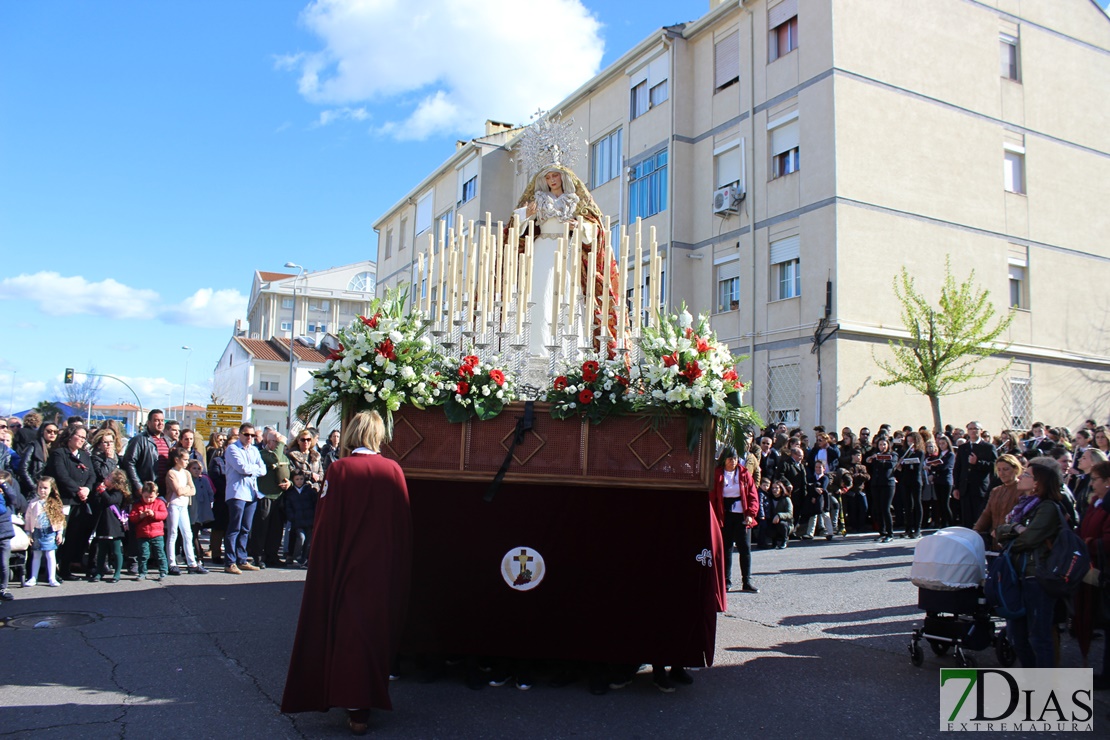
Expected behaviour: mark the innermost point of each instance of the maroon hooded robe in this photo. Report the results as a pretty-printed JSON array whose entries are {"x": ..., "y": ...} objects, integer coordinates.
[{"x": 356, "y": 591}]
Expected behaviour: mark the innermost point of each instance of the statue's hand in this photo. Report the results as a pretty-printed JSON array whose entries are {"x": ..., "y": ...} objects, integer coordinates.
[{"x": 531, "y": 210}]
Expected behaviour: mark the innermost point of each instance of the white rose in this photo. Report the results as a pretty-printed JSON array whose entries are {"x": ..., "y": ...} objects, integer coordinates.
[
  {"x": 396, "y": 337},
  {"x": 685, "y": 319},
  {"x": 390, "y": 369},
  {"x": 501, "y": 394},
  {"x": 407, "y": 373},
  {"x": 571, "y": 405},
  {"x": 485, "y": 390},
  {"x": 608, "y": 385},
  {"x": 369, "y": 397},
  {"x": 388, "y": 384}
]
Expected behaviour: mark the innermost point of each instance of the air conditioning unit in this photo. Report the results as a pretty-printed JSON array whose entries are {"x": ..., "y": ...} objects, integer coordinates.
[{"x": 727, "y": 199}]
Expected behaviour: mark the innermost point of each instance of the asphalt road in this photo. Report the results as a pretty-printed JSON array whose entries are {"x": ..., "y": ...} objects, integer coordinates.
[{"x": 820, "y": 652}]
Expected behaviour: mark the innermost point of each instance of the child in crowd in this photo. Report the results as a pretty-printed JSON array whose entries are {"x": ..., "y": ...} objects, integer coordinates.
[
  {"x": 300, "y": 511},
  {"x": 855, "y": 503},
  {"x": 781, "y": 512},
  {"x": 45, "y": 522},
  {"x": 180, "y": 491},
  {"x": 764, "y": 529},
  {"x": 840, "y": 483},
  {"x": 200, "y": 511},
  {"x": 109, "y": 502},
  {"x": 817, "y": 503},
  {"x": 148, "y": 518}
]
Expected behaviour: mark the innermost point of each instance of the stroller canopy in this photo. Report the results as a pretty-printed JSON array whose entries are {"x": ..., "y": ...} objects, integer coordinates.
[{"x": 950, "y": 559}]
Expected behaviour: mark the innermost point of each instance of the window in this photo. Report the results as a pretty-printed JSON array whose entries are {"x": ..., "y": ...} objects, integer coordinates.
[
  {"x": 645, "y": 294},
  {"x": 423, "y": 216},
  {"x": 639, "y": 100},
  {"x": 268, "y": 383},
  {"x": 315, "y": 327},
  {"x": 404, "y": 233},
  {"x": 605, "y": 158},
  {"x": 647, "y": 193},
  {"x": 658, "y": 94},
  {"x": 287, "y": 303},
  {"x": 1017, "y": 286},
  {"x": 1008, "y": 46},
  {"x": 287, "y": 326},
  {"x": 448, "y": 220},
  {"x": 1021, "y": 402},
  {"x": 726, "y": 61},
  {"x": 728, "y": 286},
  {"x": 648, "y": 86},
  {"x": 363, "y": 282},
  {"x": 388, "y": 243},
  {"x": 785, "y": 146},
  {"x": 782, "y": 20},
  {"x": 784, "y": 393},
  {"x": 319, "y": 305},
  {"x": 468, "y": 179},
  {"x": 615, "y": 238},
  {"x": 1013, "y": 170},
  {"x": 727, "y": 164},
  {"x": 786, "y": 274}
]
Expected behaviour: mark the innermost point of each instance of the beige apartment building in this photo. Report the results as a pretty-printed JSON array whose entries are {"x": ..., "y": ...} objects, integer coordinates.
[{"x": 793, "y": 156}]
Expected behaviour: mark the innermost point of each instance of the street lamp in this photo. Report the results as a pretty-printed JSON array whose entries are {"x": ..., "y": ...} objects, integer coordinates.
[
  {"x": 185, "y": 385},
  {"x": 292, "y": 336}
]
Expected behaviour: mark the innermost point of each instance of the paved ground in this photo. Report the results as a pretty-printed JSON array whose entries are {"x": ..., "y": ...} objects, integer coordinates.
[{"x": 819, "y": 652}]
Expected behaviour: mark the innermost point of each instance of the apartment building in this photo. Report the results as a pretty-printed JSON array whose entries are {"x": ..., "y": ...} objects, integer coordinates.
[
  {"x": 309, "y": 304},
  {"x": 794, "y": 155}
]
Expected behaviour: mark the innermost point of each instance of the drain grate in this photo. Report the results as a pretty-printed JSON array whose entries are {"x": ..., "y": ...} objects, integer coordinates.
[{"x": 49, "y": 620}]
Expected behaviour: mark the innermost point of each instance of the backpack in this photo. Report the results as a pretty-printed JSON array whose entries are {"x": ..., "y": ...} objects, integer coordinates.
[
  {"x": 1061, "y": 571},
  {"x": 1003, "y": 586}
]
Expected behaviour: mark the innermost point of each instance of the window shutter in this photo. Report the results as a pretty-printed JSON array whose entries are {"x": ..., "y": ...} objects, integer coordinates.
[
  {"x": 728, "y": 270},
  {"x": 658, "y": 70},
  {"x": 784, "y": 138},
  {"x": 728, "y": 167},
  {"x": 727, "y": 54},
  {"x": 786, "y": 249},
  {"x": 781, "y": 13}
]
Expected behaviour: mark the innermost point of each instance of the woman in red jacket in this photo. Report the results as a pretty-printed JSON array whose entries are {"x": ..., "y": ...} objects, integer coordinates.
[
  {"x": 1094, "y": 529},
  {"x": 736, "y": 504}
]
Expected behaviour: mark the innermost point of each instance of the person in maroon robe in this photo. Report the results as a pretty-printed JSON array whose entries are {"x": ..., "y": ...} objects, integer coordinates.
[{"x": 357, "y": 588}]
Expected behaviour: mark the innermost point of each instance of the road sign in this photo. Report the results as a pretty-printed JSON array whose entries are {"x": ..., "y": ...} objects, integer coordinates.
[
  {"x": 224, "y": 408},
  {"x": 223, "y": 419}
]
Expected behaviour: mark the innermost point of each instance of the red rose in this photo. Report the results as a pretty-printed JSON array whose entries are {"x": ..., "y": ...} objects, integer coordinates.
[
  {"x": 466, "y": 371},
  {"x": 585, "y": 395},
  {"x": 385, "y": 349},
  {"x": 561, "y": 383},
  {"x": 622, "y": 380},
  {"x": 470, "y": 361},
  {"x": 692, "y": 371},
  {"x": 497, "y": 377},
  {"x": 462, "y": 389},
  {"x": 670, "y": 360},
  {"x": 703, "y": 346}
]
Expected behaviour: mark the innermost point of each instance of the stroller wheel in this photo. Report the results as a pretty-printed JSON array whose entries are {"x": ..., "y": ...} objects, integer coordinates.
[
  {"x": 917, "y": 655},
  {"x": 939, "y": 648},
  {"x": 1004, "y": 649},
  {"x": 964, "y": 660}
]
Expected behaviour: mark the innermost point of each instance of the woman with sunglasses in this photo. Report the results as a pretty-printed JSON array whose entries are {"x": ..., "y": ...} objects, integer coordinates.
[
  {"x": 305, "y": 459},
  {"x": 34, "y": 460}
]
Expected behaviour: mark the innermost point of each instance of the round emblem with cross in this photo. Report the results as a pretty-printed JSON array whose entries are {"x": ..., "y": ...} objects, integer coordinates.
[{"x": 523, "y": 568}]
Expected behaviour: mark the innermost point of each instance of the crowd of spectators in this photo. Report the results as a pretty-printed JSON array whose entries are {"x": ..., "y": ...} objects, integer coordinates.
[{"x": 90, "y": 503}]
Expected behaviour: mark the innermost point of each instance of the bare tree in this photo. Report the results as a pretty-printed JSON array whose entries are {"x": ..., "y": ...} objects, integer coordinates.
[
  {"x": 946, "y": 342},
  {"x": 84, "y": 394}
]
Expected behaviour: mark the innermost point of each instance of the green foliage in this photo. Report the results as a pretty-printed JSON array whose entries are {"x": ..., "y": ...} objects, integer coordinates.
[{"x": 947, "y": 342}]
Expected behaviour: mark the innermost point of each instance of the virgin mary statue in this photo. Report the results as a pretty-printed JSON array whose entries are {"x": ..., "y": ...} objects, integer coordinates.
[{"x": 554, "y": 200}]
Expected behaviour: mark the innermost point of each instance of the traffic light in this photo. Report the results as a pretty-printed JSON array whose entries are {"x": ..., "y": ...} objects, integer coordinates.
[{"x": 69, "y": 375}]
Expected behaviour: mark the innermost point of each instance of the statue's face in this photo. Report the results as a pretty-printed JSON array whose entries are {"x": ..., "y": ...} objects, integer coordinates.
[{"x": 554, "y": 181}]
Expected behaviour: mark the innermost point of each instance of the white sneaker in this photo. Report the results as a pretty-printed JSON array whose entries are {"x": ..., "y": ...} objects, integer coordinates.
[
  {"x": 55, "y": 583},
  {"x": 30, "y": 583}
]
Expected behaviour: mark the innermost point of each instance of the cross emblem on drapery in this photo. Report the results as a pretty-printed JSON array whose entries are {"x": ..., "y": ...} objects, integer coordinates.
[
  {"x": 523, "y": 559},
  {"x": 705, "y": 558}
]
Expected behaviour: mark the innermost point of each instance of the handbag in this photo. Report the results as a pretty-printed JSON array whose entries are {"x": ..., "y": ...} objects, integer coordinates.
[
  {"x": 1061, "y": 571},
  {"x": 20, "y": 542},
  {"x": 1003, "y": 586}
]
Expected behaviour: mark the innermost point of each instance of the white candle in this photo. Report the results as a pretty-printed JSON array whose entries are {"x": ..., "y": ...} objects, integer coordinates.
[
  {"x": 653, "y": 289},
  {"x": 556, "y": 294},
  {"x": 637, "y": 295},
  {"x": 428, "y": 279},
  {"x": 575, "y": 268},
  {"x": 590, "y": 274},
  {"x": 606, "y": 285}
]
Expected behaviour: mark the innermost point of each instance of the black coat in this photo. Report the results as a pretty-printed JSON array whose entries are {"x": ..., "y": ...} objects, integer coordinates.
[
  {"x": 140, "y": 461},
  {"x": 107, "y": 523},
  {"x": 974, "y": 479},
  {"x": 71, "y": 473},
  {"x": 32, "y": 466}
]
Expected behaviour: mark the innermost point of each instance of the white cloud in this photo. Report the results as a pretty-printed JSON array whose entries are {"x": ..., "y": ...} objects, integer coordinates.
[
  {"x": 57, "y": 295},
  {"x": 208, "y": 309},
  {"x": 342, "y": 114},
  {"x": 65, "y": 296},
  {"x": 455, "y": 63}
]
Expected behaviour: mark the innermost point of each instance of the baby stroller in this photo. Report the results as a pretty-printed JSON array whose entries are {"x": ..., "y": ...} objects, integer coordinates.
[{"x": 948, "y": 569}]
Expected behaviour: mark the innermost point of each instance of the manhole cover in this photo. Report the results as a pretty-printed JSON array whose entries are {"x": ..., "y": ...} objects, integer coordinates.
[{"x": 49, "y": 620}]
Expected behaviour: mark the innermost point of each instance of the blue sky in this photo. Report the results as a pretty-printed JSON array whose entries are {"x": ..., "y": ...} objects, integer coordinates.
[{"x": 154, "y": 154}]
